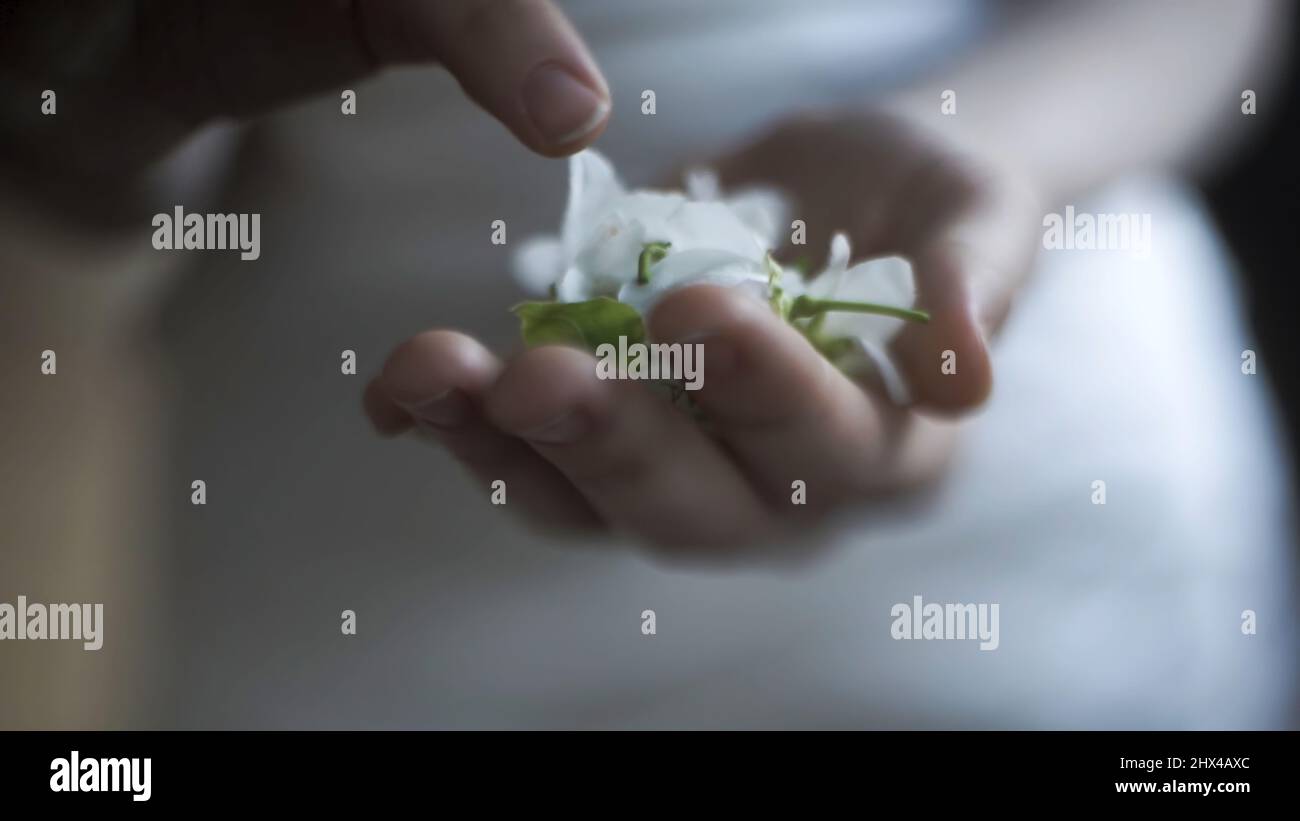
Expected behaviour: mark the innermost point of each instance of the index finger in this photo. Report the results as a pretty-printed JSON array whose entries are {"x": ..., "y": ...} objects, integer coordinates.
[{"x": 520, "y": 60}]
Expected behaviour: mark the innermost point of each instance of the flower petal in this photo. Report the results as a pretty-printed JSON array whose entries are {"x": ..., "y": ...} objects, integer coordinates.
[
  {"x": 887, "y": 281},
  {"x": 832, "y": 278},
  {"x": 699, "y": 266},
  {"x": 573, "y": 286},
  {"x": 538, "y": 263},
  {"x": 706, "y": 225},
  {"x": 840, "y": 251},
  {"x": 764, "y": 211},
  {"x": 593, "y": 185},
  {"x": 871, "y": 356},
  {"x": 650, "y": 208},
  {"x": 610, "y": 257},
  {"x": 702, "y": 184}
]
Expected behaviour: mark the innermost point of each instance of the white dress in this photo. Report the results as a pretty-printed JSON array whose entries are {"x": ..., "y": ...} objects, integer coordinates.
[{"x": 1113, "y": 368}]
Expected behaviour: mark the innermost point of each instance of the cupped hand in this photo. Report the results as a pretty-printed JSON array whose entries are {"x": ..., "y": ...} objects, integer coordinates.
[{"x": 579, "y": 451}]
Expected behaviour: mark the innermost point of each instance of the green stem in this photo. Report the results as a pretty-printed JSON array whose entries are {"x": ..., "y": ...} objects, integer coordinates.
[
  {"x": 651, "y": 253},
  {"x": 806, "y": 306}
]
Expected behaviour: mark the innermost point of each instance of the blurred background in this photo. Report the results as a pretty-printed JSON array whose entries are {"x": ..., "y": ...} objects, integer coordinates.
[{"x": 175, "y": 367}]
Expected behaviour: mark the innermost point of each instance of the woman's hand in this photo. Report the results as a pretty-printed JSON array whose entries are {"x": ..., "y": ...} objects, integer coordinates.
[
  {"x": 577, "y": 450},
  {"x": 162, "y": 69},
  {"x": 969, "y": 225}
]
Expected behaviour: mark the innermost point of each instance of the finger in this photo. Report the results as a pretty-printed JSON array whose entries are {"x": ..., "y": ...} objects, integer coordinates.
[
  {"x": 965, "y": 278},
  {"x": 521, "y": 60},
  {"x": 945, "y": 362},
  {"x": 642, "y": 464},
  {"x": 785, "y": 412},
  {"x": 438, "y": 379},
  {"x": 387, "y": 418}
]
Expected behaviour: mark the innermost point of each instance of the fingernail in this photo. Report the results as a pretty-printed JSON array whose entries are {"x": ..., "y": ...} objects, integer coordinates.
[
  {"x": 568, "y": 428},
  {"x": 561, "y": 106},
  {"x": 448, "y": 409}
]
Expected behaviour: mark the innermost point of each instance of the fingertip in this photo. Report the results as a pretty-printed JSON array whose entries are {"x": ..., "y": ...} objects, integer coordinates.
[
  {"x": 946, "y": 362},
  {"x": 430, "y": 363},
  {"x": 568, "y": 149},
  {"x": 567, "y": 108},
  {"x": 523, "y": 62},
  {"x": 385, "y": 417}
]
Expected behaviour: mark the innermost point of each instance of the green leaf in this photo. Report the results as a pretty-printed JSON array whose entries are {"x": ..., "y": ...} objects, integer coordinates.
[{"x": 583, "y": 324}]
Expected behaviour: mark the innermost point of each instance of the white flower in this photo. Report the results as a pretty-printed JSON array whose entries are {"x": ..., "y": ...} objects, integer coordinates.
[
  {"x": 695, "y": 267},
  {"x": 702, "y": 237},
  {"x": 606, "y": 228},
  {"x": 881, "y": 281}
]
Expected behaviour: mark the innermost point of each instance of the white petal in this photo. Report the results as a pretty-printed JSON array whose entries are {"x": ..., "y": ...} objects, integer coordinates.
[
  {"x": 538, "y": 263},
  {"x": 610, "y": 256},
  {"x": 698, "y": 266},
  {"x": 706, "y": 225},
  {"x": 793, "y": 283},
  {"x": 650, "y": 208},
  {"x": 868, "y": 327},
  {"x": 593, "y": 185},
  {"x": 573, "y": 287},
  {"x": 870, "y": 355},
  {"x": 832, "y": 278},
  {"x": 764, "y": 211},
  {"x": 702, "y": 184},
  {"x": 840, "y": 251},
  {"x": 887, "y": 281}
]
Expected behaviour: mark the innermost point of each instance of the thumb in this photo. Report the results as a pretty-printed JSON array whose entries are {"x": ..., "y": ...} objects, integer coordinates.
[{"x": 521, "y": 60}]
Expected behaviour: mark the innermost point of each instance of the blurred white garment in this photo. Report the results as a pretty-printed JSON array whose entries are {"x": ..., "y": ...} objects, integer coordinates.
[{"x": 1112, "y": 368}]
